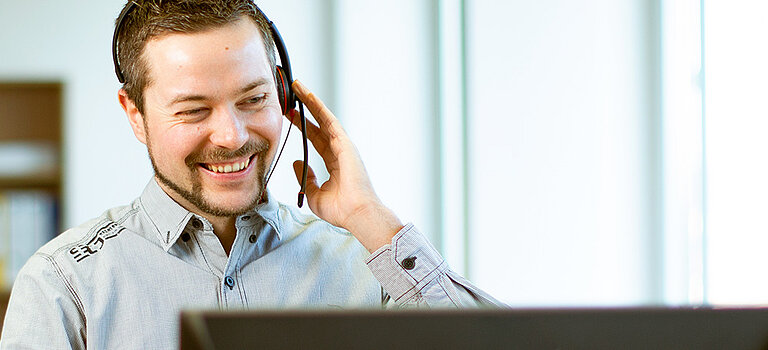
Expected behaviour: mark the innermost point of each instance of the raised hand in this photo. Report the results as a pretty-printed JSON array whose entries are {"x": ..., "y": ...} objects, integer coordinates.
[{"x": 347, "y": 199}]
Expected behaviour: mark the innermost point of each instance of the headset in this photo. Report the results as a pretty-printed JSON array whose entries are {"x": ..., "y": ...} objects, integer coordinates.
[{"x": 283, "y": 80}]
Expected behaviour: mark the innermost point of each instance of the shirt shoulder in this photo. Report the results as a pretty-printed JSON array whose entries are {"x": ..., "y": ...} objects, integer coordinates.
[
  {"x": 104, "y": 226},
  {"x": 318, "y": 239},
  {"x": 84, "y": 251},
  {"x": 296, "y": 224}
]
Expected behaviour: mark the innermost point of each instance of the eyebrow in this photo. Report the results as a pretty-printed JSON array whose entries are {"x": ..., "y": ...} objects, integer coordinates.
[{"x": 187, "y": 98}]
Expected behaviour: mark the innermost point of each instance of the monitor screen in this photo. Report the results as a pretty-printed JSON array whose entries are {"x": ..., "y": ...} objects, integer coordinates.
[{"x": 640, "y": 328}]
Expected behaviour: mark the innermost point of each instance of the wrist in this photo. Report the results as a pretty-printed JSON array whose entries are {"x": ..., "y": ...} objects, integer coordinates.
[{"x": 374, "y": 226}]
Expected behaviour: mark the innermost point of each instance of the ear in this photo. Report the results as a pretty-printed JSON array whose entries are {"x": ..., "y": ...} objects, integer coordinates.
[{"x": 134, "y": 116}]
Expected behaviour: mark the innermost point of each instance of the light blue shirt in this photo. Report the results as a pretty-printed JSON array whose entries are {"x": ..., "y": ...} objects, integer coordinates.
[{"x": 121, "y": 280}]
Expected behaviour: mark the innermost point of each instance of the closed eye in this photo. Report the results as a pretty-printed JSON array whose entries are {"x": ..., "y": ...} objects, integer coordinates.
[
  {"x": 192, "y": 111},
  {"x": 193, "y": 114}
]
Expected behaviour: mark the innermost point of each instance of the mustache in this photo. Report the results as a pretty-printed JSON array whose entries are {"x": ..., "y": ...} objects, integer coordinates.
[{"x": 220, "y": 155}]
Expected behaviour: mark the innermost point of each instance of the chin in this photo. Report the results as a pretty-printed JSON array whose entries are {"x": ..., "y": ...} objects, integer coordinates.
[{"x": 233, "y": 205}]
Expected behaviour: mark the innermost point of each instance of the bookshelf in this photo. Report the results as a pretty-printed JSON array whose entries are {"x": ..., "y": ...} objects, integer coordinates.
[
  {"x": 30, "y": 172},
  {"x": 4, "y": 295}
]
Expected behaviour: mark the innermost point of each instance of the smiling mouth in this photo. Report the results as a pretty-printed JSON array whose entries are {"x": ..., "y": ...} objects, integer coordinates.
[{"x": 226, "y": 168}]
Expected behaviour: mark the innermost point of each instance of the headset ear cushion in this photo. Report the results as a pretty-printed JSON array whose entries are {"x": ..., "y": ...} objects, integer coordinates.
[{"x": 283, "y": 89}]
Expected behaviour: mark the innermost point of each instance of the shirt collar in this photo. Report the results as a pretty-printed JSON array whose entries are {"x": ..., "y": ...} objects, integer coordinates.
[
  {"x": 170, "y": 219},
  {"x": 269, "y": 210}
]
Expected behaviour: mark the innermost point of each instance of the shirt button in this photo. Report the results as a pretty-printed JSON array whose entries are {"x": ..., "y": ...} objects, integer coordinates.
[
  {"x": 252, "y": 239},
  {"x": 196, "y": 223},
  {"x": 230, "y": 282},
  {"x": 245, "y": 218},
  {"x": 409, "y": 263},
  {"x": 185, "y": 237}
]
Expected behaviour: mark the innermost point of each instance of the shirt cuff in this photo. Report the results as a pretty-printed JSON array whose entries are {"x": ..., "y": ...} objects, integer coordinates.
[{"x": 407, "y": 265}]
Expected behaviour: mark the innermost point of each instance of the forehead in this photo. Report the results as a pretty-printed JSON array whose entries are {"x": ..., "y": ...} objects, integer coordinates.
[{"x": 217, "y": 58}]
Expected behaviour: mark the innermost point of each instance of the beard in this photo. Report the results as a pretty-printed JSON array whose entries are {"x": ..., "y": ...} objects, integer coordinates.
[{"x": 193, "y": 191}]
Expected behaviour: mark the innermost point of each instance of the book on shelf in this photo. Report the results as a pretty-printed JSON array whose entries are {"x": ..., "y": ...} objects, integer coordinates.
[
  {"x": 27, "y": 221},
  {"x": 29, "y": 158}
]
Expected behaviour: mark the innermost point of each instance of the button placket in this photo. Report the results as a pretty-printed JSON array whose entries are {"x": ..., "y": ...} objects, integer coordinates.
[
  {"x": 235, "y": 255},
  {"x": 229, "y": 282}
]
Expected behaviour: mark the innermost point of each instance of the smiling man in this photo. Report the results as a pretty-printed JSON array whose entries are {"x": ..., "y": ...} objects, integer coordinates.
[
  {"x": 200, "y": 93},
  {"x": 211, "y": 120}
]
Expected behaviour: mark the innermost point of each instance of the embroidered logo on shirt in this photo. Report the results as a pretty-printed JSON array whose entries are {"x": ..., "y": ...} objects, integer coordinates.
[{"x": 108, "y": 231}]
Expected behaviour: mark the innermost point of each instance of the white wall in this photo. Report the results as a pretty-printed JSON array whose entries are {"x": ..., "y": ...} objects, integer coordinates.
[
  {"x": 736, "y": 125},
  {"x": 384, "y": 72},
  {"x": 682, "y": 153},
  {"x": 563, "y": 119}
]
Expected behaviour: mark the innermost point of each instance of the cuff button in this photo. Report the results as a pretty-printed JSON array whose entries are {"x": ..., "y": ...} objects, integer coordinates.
[{"x": 409, "y": 263}]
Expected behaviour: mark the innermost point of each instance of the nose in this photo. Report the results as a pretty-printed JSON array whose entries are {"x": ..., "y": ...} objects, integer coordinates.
[{"x": 228, "y": 130}]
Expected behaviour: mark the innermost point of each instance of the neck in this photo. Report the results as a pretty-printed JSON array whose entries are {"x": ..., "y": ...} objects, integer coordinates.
[{"x": 224, "y": 228}]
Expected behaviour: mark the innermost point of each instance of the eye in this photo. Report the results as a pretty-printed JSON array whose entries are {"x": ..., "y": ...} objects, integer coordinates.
[
  {"x": 193, "y": 111},
  {"x": 256, "y": 100},
  {"x": 192, "y": 114}
]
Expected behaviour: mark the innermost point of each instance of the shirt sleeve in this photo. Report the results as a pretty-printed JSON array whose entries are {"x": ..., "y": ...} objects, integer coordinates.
[
  {"x": 413, "y": 274},
  {"x": 44, "y": 311}
]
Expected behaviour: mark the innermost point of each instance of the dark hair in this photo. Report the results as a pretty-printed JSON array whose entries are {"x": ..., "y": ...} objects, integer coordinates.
[{"x": 152, "y": 18}]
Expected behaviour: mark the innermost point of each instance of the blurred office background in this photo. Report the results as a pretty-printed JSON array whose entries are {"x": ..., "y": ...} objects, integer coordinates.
[{"x": 558, "y": 152}]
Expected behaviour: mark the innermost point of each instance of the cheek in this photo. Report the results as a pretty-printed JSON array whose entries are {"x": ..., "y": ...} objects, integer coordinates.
[
  {"x": 269, "y": 127},
  {"x": 277, "y": 126},
  {"x": 174, "y": 144}
]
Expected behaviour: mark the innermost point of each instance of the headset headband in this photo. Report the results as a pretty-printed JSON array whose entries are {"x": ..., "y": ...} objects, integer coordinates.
[{"x": 285, "y": 61}]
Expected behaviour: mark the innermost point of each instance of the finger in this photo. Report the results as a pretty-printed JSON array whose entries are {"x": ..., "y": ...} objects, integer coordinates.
[
  {"x": 318, "y": 109},
  {"x": 313, "y": 131},
  {"x": 311, "y": 188},
  {"x": 314, "y": 134},
  {"x": 327, "y": 146}
]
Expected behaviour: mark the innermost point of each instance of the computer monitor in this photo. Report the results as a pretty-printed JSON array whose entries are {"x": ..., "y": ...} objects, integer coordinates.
[{"x": 641, "y": 328}]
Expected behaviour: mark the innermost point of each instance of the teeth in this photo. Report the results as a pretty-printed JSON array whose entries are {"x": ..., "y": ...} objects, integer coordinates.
[{"x": 229, "y": 168}]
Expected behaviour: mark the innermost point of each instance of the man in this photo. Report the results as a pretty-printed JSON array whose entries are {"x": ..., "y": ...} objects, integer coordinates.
[{"x": 200, "y": 94}]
